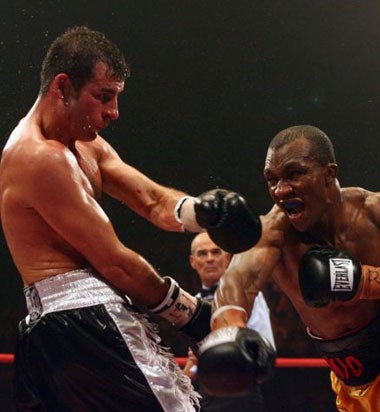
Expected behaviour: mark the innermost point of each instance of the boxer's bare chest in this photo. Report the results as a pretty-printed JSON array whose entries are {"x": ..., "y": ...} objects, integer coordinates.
[{"x": 353, "y": 232}]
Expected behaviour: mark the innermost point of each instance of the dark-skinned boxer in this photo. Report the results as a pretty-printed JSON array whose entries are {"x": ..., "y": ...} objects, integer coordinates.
[{"x": 320, "y": 243}]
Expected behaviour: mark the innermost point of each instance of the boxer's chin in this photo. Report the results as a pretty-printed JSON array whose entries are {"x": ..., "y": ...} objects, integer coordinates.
[
  {"x": 88, "y": 135},
  {"x": 298, "y": 221}
]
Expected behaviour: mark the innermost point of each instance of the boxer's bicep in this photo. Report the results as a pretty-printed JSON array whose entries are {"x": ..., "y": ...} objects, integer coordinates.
[{"x": 370, "y": 283}]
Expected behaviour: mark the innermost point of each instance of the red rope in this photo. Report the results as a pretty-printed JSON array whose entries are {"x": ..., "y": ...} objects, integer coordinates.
[
  {"x": 301, "y": 363},
  {"x": 6, "y": 357},
  {"x": 285, "y": 362},
  {"x": 280, "y": 362}
]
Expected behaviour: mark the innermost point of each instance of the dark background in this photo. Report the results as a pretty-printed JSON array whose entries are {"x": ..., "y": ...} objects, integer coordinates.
[{"x": 212, "y": 82}]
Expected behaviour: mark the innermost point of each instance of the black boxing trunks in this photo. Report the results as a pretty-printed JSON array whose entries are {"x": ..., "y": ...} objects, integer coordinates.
[
  {"x": 353, "y": 357},
  {"x": 84, "y": 348}
]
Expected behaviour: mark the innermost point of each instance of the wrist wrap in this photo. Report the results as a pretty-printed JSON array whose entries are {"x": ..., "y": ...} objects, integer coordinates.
[{"x": 178, "y": 306}]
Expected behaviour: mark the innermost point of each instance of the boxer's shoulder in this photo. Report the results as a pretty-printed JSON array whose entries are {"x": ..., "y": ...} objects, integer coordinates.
[
  {"x": 357, "y": 196},
  {"x": 360, "y": 203}
]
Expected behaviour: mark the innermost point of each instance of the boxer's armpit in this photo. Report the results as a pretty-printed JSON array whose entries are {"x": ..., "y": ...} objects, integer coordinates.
[{"x": 370, "y": 287}]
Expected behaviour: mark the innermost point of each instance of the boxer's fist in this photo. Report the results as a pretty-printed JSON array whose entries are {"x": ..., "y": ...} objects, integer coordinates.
[
  {"x": 230, "y": 222},
  {"x": 233, "y": 360},
  {"x": 209, "y": 207},
  {"x": 327, "y": 275}
]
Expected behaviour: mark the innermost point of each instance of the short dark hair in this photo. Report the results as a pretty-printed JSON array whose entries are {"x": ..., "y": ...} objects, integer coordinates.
[
  {"x": 76, "y": 52},
  {"x": 321, "y": 145}
]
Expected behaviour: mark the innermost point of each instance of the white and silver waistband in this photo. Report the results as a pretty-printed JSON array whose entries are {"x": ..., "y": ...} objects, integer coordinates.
[{"x": 76, "y": 289}]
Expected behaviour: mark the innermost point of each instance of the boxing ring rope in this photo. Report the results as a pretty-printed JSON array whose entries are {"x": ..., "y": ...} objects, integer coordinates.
[
  {"x": 6, "y": 357},
  {"x": 285, "y": 362},
  {"x": 280, "y": 362}
]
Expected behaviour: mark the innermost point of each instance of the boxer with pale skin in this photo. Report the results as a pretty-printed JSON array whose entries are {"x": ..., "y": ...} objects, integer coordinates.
[{"x": 83, "y": 342}]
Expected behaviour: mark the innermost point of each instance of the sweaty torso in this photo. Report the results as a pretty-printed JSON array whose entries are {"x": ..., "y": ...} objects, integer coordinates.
[
  {"x": 37, "y": 250},
  {"x": 356, "y": 232}
]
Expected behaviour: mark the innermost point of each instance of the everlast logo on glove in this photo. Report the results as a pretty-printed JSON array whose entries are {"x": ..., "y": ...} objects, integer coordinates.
[
  {"x": 341, "y": 275},
  {"x": 328, "y": 275}
]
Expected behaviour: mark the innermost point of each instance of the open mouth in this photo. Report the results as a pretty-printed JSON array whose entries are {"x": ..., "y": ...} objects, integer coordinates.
[{"x": 293, "y": 208}]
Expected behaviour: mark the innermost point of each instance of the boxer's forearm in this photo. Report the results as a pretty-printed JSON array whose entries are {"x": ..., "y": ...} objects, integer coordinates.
[
  {"x": 229, "y": 315},
  {"x": 231, "y": 292},
  {"x": 246, "y": 276}
]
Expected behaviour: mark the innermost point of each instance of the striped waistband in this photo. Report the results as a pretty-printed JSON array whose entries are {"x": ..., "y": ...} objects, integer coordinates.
[{"x": 76, "y": 289}]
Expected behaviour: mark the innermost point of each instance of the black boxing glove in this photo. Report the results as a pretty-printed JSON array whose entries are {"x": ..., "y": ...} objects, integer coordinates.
[
  {"x": 189, "y": 314},
  {"x": 199, "y": 325},
  {"x": 232, "y": 360},
  {"x": 229, "y": 220},
  {"x": 327, "y": 275}
]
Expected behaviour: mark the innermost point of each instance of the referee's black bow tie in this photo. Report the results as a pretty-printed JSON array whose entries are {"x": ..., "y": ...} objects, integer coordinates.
[{"x": 208, "y": 291}]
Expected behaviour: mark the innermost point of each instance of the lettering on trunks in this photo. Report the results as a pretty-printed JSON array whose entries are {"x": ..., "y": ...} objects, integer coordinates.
[
  {"x": 341, "y": 275},
  {"x": 353, "y": 357},
  {"x": 345, "y": 368}
]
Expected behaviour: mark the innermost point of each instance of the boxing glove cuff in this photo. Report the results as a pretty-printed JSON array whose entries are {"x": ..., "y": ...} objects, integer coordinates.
[
  {"x": 178, "y": 306},
  {"x": 184, "y": 214},
  {"x": 218, "y": 337}
]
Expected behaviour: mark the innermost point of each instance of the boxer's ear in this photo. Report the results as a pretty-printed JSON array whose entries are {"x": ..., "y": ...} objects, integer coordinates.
[
  {"x": 331, "y": 172},
  {"x": 61, "y": 87}
]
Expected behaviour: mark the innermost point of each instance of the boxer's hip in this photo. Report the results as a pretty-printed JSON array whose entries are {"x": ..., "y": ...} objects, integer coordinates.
[
  {"x": 354, "y": 357},
  {"x": 80, "y": 313},
  {"x": 72, "y": 290}
]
